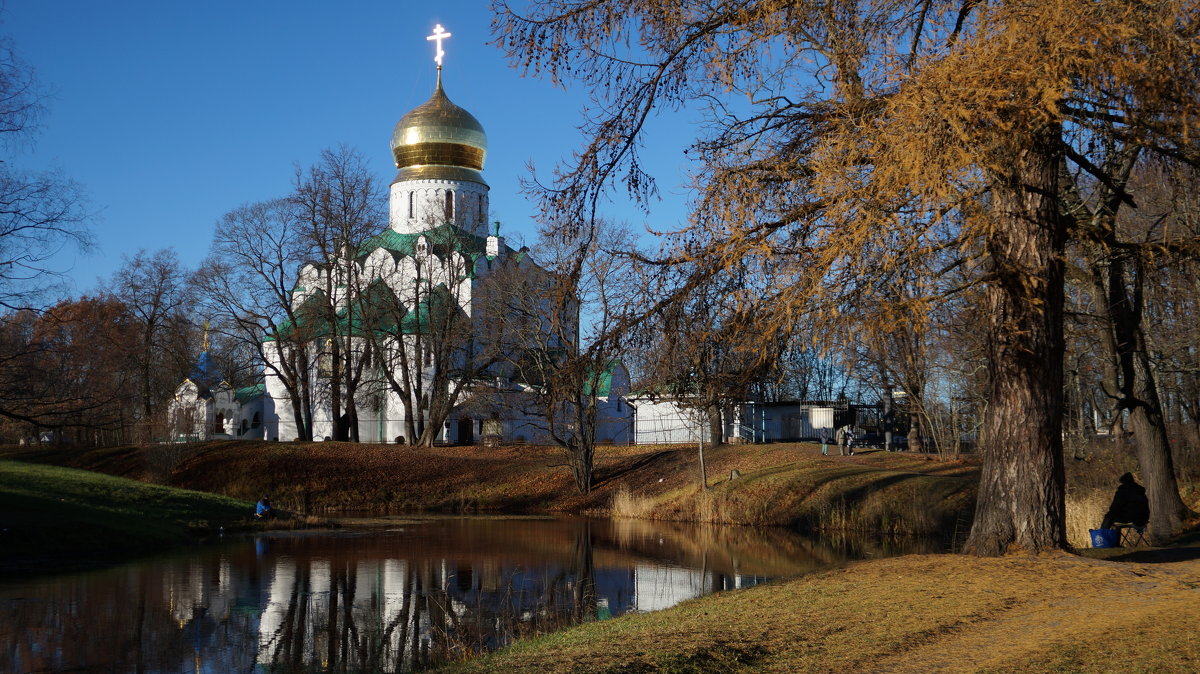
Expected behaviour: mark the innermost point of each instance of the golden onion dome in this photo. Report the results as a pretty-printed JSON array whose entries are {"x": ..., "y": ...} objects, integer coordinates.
[{"x": 438, "y": 139}]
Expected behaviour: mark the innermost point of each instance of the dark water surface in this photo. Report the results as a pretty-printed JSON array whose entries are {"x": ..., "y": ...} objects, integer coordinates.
[{"x": 414, "y": 594}]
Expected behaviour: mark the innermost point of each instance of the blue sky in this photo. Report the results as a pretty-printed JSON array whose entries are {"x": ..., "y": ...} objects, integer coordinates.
[{"x": 170, "y": 114}]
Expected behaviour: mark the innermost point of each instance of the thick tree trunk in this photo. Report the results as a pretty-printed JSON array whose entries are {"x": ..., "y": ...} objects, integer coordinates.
[
  {"x": 1167, "y": 509},
  {"x": 301, "y": 423},
  {"x": 583, "y": 456},
  {"x": 1020, "y": 503},
  {"x": 583, "y": 451}
]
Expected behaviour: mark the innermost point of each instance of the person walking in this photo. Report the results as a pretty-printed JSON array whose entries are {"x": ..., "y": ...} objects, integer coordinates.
[
  {"x": 841, "y": 440},
  {"x": 824, "y": 442},
  {"x": 850, "y": 439}
]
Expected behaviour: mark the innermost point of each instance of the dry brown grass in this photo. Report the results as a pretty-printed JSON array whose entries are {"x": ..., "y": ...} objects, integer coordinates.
[
  {"x": 916, "y": 613},
  {"x": 873, "y": 492},
  {"x": 627, "y": 505},
  {"x": 1085, "y": 510}
]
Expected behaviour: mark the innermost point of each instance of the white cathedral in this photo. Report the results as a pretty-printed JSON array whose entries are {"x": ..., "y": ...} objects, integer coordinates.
[{"x": 437, "y": 245}]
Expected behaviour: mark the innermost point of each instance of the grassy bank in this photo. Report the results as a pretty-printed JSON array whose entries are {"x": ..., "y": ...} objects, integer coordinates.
[
  {"x": 55, "y": 517},
  {"x": 915, "y": 613},
  {"x": 779, "y": 484},
  {"x": 872, "y": 492}
]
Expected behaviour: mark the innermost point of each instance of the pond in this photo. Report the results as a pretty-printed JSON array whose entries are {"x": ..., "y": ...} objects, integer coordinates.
[{"x": 409, "y": 595}]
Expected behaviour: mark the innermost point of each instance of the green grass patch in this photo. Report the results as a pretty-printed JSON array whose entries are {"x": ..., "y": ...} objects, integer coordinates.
[{"x": 55, "y": 516}]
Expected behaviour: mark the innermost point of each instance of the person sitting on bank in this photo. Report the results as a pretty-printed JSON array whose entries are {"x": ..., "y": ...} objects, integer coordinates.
[
  {"x": 263, "y": 510},
  {"x": 1129, "y": 505}
]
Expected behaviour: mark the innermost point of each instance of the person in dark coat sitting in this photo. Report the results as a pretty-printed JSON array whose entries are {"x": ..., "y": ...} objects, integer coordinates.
[{"x": 1129, "y": 505}]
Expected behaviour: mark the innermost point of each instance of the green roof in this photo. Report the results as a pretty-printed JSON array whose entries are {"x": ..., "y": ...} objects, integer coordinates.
[
  {"x": 308, "y": 319},
  {"x": 248, "y": 393},
  {"x": 603, "y": 386},
  {"x": 442, "y": 239},
  {"x": 433, "y": 307},
  {"x": 378, "y": 301}
]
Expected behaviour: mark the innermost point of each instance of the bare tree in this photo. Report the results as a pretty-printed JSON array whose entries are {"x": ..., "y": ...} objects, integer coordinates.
[
  {"x": 246, "y": 287},
  {"x": 279, "y": 279},
  {"x": 567, "y": 327},
  {"x": 1121, "y": 248},
  {"x": 154, "y": 289},
  {"x": 339, "y": 205},
  {"x": 41, "y": 213},
  {"x": 425, "y": 322},
  {"x": 707, "y": 352}
]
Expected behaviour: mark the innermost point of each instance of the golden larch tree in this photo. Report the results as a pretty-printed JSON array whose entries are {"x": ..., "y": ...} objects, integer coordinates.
[{"x": 846, "y": 143}]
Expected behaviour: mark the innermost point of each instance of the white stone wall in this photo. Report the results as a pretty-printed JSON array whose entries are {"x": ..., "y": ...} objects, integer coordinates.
[
  {"x": 614, "y": 421},
  {"x": 418, "y": 205},
  {"x": 667, "y": 422}
]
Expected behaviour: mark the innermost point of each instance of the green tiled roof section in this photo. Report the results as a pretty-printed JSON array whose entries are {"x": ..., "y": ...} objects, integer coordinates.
[
  {"x": 440, "y": 239},
  {"x": 248, "y": 393},
  {"x": 377, "y": 308},
  {"x": 305, "y": 314},
  {"x": 433, "y": 307},
  {"x": 603, "y": 380}
]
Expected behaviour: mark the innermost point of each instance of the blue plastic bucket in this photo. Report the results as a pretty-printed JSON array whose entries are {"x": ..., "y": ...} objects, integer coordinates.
[{"x": 1105, "y": 538}]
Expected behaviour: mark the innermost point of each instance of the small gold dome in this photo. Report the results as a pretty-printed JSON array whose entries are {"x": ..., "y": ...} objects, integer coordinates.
[{"x": 438, "y": 137}]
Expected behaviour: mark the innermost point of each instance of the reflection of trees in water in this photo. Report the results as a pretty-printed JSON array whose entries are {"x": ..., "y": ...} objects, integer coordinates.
[
  {"x": 345, "y": 604},
  {"x": 371, "y": 616},
  {"x": 726, "y": 550},
  {"x": 125, "y": 620}
]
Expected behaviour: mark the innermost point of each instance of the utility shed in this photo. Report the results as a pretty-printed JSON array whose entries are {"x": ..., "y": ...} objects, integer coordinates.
[{"x": 783, "y": 421}]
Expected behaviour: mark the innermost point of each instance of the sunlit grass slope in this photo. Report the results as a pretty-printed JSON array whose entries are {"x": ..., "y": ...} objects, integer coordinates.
[
  {"x": 66, "y": 517},
  {"x": 908, "y": 614},
  {"x": 873, "y": 492}
]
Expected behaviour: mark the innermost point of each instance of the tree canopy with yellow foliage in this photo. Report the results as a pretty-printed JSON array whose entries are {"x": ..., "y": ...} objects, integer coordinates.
[{"x": 884, "y": 139}]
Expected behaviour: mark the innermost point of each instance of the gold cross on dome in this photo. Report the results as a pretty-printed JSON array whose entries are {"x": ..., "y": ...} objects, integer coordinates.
[{"x": 439, "y": 34}]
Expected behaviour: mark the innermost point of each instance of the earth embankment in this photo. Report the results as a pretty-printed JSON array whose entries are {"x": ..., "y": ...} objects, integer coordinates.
[{"x": 777, "y": 484}]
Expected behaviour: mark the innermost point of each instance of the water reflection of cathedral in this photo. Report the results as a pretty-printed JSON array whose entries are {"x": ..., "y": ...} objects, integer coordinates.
[
  {"x": 398, "y": 613},
  {"x": 290, "y": 607},
  {"x": 382, "y": 600}
]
